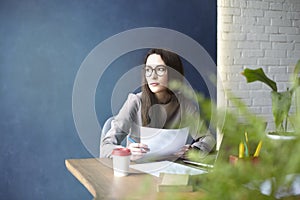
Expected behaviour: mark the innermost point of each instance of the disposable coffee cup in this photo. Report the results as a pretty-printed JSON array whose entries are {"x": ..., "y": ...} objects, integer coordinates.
[{"x": 121, "y": 160}]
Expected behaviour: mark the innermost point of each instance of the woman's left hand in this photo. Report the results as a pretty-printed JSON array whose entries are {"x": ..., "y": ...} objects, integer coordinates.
[{"x": 182, "y": 151}]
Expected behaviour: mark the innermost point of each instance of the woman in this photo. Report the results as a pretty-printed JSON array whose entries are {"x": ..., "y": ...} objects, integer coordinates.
[{"x": 156, "y": 106}]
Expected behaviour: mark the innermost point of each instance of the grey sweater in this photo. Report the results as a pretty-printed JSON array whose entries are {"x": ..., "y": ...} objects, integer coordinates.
[{"x": 179, "y": 112}]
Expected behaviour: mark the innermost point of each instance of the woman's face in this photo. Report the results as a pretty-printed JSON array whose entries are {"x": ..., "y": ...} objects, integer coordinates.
[{"x": 156, "y": 73}]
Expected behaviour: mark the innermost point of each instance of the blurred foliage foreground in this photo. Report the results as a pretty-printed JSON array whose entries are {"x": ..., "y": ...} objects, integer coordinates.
[{"x": 277, "y": 166}]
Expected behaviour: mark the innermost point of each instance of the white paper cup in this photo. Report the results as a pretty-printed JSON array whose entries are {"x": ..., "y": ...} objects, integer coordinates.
[{"x": 121, "y": 160}]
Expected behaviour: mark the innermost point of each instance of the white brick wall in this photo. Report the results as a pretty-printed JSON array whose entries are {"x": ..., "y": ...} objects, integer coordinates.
[{"x": 256, "y": 33}]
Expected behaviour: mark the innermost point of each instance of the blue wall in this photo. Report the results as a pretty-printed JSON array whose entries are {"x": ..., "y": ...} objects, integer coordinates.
[{"x": 42, "y": 45}]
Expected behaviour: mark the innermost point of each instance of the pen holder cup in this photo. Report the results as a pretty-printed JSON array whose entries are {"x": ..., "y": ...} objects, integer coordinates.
[{"x": 235, "y": 159}]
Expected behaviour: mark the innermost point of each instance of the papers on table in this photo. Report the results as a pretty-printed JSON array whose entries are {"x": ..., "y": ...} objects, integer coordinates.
[
  {"x": 155, "y": 168},
  {"x": 162, "y": 142}
]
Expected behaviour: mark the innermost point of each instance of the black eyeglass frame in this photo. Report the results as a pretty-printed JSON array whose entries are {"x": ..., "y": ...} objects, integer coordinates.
[{"x": 158, "y": 73}]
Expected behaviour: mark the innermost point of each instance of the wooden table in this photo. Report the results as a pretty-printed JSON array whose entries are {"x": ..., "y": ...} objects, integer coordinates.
[{"x": 97, "y": 176}]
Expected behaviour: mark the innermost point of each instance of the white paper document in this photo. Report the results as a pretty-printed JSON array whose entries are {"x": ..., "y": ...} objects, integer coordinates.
[
  {"x": 162, "y": 142},
  {"x": 155, "y": 168}
]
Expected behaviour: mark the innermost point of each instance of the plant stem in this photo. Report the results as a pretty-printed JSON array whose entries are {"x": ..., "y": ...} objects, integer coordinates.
[{"x": 285, "y": 126}]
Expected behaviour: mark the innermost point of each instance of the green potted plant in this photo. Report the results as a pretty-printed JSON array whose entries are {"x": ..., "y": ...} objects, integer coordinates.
[
  {"x": 245, "y": 180},
  {"x": 281, "y": 101}
]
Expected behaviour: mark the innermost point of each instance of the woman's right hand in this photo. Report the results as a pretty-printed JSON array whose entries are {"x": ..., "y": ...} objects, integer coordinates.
[{"x": 138, "y": 150}]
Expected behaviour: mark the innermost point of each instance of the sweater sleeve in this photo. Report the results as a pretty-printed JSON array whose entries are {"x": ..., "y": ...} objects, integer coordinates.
[
  {"x": 120, "y": 125},
  {"x": 202, "y": 137}
]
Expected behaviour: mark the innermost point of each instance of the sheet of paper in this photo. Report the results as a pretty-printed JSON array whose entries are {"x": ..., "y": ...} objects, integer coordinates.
[
  {"x": 162, "y": 142},
  {"x": 155, "y": 168}
]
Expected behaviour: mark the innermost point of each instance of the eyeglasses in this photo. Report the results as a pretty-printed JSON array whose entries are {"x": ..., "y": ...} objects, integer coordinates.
[{"x": 160, "y": 70}]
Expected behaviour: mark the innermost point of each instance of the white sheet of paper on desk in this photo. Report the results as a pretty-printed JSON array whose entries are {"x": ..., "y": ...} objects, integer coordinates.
[
  {"x": 155, "y": 168},
  {"x": 163, "y": 142}
]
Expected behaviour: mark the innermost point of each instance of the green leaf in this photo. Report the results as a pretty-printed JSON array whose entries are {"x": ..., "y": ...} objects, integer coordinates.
[
  {"x": 281, "y": 104},
  {"x": 258, "y": 75},
  {"x": 297, "y": 68},
  {"x": 296, "y": 78}
]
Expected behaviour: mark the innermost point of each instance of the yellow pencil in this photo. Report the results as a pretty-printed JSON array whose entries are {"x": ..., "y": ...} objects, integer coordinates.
[
  {"x": 241, "y": 150},
  {"x": 258, "y": 148},
  {"x": 246, "y": 137}
]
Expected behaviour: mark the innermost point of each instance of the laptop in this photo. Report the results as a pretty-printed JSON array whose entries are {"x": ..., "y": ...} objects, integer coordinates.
[{"x": 209, "y": 160}]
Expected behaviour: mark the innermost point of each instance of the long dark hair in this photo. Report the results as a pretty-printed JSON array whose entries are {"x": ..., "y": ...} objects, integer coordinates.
[{"x": 173, "y": 61}]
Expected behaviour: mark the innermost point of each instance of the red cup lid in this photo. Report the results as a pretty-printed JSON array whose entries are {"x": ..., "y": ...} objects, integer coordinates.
[{"x": 121, "y": 152}]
